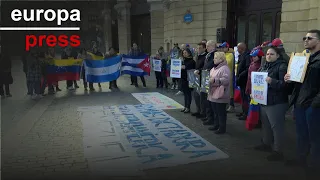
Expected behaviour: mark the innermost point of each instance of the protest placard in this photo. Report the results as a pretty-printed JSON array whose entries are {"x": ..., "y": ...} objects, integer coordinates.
[
  {"x": 298, "y": 66},
  {"x": 191, "y": 78},
  {"x": 205, "y": 76},
  {"x": 157, "y": 65},
  {"x": 259, "y": 87},
  {"x": 175, "y": 70}
]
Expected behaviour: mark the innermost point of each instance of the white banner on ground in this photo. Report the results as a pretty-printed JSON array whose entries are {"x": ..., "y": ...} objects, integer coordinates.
[
  {"x": 129, "y": 138},
  {"x": 158, "y": 100}
]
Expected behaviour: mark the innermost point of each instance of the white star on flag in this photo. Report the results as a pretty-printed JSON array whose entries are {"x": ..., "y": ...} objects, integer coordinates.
[{"x": 146, "y": 65}]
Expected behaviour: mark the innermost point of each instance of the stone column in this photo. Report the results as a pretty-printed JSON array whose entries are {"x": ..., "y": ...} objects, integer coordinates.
[
  {"x": 107, "y": 27},
  {"x": 124, "y": 25},
  {"x": 157, "y": 25}
]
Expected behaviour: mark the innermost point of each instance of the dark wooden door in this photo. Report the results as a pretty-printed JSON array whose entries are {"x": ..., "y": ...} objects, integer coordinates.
[
  {"x": 141, "y": 31},
  {"x": 253, "y": 21}
]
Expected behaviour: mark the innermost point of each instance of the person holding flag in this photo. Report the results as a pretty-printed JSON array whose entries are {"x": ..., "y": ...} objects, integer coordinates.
[{"x": 252, "y": 119}]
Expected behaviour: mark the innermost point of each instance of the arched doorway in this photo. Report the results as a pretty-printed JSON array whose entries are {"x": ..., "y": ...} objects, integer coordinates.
[{"x": 253, "y": 21}]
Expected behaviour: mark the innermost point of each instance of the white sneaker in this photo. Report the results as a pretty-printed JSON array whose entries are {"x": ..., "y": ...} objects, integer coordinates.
[
  {"x": 173, "y": 87},
  {"x": 179, "y": 93},
  {"x": 230, "y": 109},
  {"x": 177, "y": 87},
  {"x": 34, "y": 96}
]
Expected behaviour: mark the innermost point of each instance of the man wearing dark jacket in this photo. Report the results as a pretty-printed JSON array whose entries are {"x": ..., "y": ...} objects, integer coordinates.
[
  {"x": 242, "y": 77},
  {"x": 306, "y": 100},
  {"x": 136, "y": 51},
  {"x": 200, "y": 98},
  {"x": 208, "y": 65}
]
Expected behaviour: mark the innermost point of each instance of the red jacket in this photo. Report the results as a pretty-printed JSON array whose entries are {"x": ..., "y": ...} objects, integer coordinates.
[{"x": 254, "y": 66}]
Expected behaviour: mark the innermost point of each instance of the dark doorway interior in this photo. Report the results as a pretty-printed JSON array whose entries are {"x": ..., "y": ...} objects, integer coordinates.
[
  {"x": 253, "y": 22},
  {"x": 141, "y": 32},
  {"x": 115, "y": 39}
]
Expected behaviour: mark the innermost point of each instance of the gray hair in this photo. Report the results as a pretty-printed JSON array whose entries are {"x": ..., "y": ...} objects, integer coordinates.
[{"x": 211, "y": 43}]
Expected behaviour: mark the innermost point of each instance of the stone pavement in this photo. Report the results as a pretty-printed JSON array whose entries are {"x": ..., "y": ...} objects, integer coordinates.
[{"x": 43, "y": 139}]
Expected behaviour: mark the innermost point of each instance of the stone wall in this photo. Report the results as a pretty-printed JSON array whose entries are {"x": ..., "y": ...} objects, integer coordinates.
[
  {"x": 208, "y": 15},
  {"x": 298, "y": 16},
  {"x": 215, "y": 16},
  {"x": 157, "y": 26},
  {"x": 124, "y": 25}
]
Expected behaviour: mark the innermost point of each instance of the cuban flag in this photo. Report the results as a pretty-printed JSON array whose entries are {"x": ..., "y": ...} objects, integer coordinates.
[
  {"x": 103, "y": 70},
  {"x": 135, "y": 65}
]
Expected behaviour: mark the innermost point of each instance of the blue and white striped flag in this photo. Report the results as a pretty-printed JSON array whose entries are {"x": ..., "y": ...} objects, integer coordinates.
[{"x": 97, "y": 71}]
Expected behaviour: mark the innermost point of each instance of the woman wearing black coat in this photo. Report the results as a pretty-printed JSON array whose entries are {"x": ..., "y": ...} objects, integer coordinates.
[
  {"x": 187, "y": 64},
  {"x": 5, "y": 76},
  {"x": 272, "y": 115}
]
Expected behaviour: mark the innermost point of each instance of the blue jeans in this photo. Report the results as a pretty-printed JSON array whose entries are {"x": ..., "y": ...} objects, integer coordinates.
[{"x": 308, "y": 134}]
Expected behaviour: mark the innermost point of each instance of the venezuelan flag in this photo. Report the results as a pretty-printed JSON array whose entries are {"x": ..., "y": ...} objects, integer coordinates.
[
  {"x": 64, "y": 69},
  {"x": 95, "y": 57},
  {"x": 237, "y": 95},
  {"x": 253, "y": 115}
]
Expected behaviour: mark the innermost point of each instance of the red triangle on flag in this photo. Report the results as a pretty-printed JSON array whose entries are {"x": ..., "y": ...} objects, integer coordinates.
[{"x": 145, "y": 65}]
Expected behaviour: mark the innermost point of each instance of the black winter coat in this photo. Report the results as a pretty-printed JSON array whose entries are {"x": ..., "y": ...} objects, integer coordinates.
[
  {"x": 208, "y": 63},
  {"x": 308, "y": 93},
  {"x": 5, "y": 70},
  {"x": 277, "y": 89},
  {"x": 242, "y": 69},
  {"x": 189, "y": 64}
]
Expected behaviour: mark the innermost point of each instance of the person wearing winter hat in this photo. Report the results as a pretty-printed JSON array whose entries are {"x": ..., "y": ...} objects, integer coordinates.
[
  {"x": 278, "y": 44},
  {"x": 272, "y": 114},
  {"x": 255, "y": 56}
]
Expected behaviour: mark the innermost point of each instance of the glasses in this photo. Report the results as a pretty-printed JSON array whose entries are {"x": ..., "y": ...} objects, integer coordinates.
[{"x": 308, "y": 38}]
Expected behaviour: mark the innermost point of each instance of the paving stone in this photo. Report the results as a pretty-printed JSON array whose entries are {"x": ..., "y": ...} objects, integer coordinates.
[{"x": 54, "y": 147}]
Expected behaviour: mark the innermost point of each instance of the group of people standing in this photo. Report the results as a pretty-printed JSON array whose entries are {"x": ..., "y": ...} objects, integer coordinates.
[
  {"x": 225, "y": 74},
  {"x": 35, "y": 67}
]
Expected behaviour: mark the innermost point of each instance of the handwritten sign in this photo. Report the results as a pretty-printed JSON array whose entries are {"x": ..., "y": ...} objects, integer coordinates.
[
  {"x": 259, "y": 87},
  {"x": 205, "y": 76},
  {"x": 157, "y": 65},
  {"x": 158, "y": 100},
  {"x": 298, "y": 66},
  {"x": 191, "y": 78},
  {"x": 139, "y": 137},
  {"x": 175, "y": 70}
]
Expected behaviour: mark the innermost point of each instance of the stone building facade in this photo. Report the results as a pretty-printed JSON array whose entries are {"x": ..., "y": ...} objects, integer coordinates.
[
  {"x": 208, "y": 15},
  {"x": 296, "y": 17}
]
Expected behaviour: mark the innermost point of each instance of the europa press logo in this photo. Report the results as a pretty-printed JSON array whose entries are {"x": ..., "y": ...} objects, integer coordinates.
[{"x": 57, "y": 16}]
